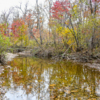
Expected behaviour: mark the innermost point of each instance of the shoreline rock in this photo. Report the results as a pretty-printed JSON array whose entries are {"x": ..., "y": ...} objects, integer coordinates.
[{"x": 10, "y": 56}]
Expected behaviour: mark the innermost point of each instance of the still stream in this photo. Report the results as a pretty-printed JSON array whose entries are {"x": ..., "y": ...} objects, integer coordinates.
[{"x": 27, "y": 78}]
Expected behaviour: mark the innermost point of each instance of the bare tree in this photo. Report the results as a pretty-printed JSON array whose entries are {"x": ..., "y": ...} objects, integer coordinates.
[
  {"x": 24, "y": 11},
  {"x": 38, "y": 22}
]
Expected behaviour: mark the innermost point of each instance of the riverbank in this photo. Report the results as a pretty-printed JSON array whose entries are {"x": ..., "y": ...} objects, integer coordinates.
[
  {"x": 4, "y": 58},
  {"x": 84, "y": 58}
]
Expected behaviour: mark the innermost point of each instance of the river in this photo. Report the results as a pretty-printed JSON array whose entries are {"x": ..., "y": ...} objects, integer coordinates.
[{"x": 26, "y": 78}]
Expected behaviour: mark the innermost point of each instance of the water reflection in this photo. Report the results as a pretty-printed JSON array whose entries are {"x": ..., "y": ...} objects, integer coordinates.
[{"x": 38, "y": 79}]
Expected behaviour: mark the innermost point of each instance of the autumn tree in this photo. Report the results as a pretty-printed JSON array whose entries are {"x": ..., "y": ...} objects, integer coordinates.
[
  {"x": 69, "y": 19},
  {"x": 19, "y": 31}
]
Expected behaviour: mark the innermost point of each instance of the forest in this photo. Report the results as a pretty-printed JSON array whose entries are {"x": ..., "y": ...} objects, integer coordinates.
[
  {"x": 56, "y": 28},
  {"x": 50, "y": 50}
]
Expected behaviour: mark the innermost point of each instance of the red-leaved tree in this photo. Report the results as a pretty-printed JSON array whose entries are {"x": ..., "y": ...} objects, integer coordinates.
[{"x": 59, "y": 8}]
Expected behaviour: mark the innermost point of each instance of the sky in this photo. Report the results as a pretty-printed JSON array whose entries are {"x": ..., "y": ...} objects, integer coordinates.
[{"x": 6, "y": 4}]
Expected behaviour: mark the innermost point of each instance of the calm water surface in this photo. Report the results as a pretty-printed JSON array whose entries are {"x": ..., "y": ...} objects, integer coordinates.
[{"x": 38, "y": 79}]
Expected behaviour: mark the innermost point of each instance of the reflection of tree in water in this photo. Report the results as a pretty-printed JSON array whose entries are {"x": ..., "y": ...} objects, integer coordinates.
[
  {"x": 73, "y": 81},
  {"x": 43, "y": 80},
  {"x": 27, "y": 73}
]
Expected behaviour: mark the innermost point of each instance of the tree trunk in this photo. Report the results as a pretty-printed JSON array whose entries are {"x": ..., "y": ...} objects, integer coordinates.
[{"x": 38, "y": 21}]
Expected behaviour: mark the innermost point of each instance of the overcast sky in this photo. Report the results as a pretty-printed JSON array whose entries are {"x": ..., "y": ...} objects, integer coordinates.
[{"x": 6, "y": 4}]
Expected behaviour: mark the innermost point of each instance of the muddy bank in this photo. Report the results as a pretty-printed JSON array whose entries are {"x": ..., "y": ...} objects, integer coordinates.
[
  {"x": 4, "y": 58},
  {"x": 10, "y": 56},
  {"x": 25, "y": 53},
  {"x": 93, "y": 65},
  {"x": 85, "y": 58},
  {"x": 46, "y": 53},
  {"x": 82, "y": 57}
]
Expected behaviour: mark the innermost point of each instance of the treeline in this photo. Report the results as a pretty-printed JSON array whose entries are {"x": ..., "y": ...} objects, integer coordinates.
[{"x": 60, "y": 25}]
